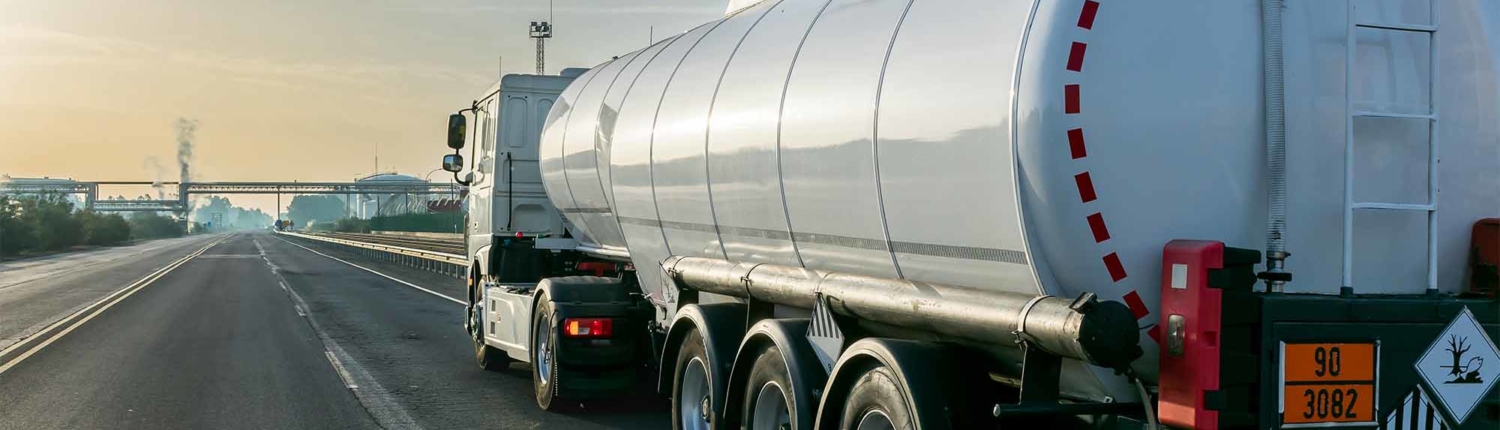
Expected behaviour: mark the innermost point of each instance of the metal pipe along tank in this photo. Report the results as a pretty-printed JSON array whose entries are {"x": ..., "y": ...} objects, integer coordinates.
[{"x": 1099, "y": 333}]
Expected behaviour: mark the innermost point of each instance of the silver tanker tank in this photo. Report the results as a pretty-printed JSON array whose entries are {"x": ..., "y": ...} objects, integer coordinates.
[{"x": 1035, "y": 147}]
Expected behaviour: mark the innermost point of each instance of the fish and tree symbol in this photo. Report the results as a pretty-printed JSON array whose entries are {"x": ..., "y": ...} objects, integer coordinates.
[{"x": 1463, "y": 372}]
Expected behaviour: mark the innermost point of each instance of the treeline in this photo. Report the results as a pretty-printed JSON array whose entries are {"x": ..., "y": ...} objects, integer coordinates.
[
  {"x": 33, "y": 223},
  {"x": 442, "y": 222},
  {"x": 428, "y": 222}
]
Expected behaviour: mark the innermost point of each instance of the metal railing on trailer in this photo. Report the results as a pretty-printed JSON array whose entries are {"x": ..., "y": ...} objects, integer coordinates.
[{"x": 454, "y": 265}]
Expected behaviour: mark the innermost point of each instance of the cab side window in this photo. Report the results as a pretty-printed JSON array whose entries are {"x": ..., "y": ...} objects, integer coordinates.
[{"x": 490, "y": 123}]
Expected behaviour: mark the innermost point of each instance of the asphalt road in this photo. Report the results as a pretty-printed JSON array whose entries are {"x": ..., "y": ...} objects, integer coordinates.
[{"x": 253, "y": 331}]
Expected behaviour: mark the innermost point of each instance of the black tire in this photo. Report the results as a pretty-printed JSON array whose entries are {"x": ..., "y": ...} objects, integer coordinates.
[
  {"x": 767, "y": 369},
  {"x": 877, "y": 392},
  {"x": 486, "y": 356},
  {"x": 544, "y": 355},
  {"x": 692, "y": 349}
]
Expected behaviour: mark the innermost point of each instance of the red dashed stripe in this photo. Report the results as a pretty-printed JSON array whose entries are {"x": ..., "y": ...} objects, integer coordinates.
[
  {"x": 1096, "y": 224},
  {"x": 1116, "y": 271},
  {"x": 1137, "y": 306},
  {"x": 1085, "y": 187},
  {"x": 1070, "y": 102},
  {"x": 1075, "y": 56},
  {"x": 1086, "y": 18},
  {"x": 1075, "y": 143},
  {"x": 1072, "y": 93},
  {"x": 1155, "y": 333}
]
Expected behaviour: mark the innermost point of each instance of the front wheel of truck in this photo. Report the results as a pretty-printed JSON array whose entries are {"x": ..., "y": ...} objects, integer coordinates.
[{"x": 488, "y": 357}]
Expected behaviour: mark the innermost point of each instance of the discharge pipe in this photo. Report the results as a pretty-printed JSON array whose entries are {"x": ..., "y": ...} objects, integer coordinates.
[{"x": 1100, "y": 333}]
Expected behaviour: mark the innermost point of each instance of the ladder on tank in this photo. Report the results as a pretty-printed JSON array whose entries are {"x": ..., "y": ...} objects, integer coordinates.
[{"x": 1430, "y": 208}]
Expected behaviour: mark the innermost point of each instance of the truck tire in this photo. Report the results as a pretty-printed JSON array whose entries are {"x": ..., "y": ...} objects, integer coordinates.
[
  {"x": 488, "y": 357},
  {"x": 544, "y": 371},
  {"x": 692, "y": 386},
  {"x": 876, "y": 403},
  {"x": 770, "y": 402}
]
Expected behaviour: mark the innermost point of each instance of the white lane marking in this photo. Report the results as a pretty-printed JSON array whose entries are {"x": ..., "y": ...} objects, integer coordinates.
[
  {"x": 64, "y": 320},
  {"x": 435, "y": 293},
  {"x": 387, "y": 412},
  {"x": 343, "y": 373},
  {"x": 107, "y": 302}
]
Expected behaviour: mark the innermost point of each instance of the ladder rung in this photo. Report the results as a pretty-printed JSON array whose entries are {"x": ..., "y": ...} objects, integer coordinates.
[
  {"x": 1374, "y": 114},
  {"x": 1395, "y": 206},
  {"x": 1398, "y": 27}
]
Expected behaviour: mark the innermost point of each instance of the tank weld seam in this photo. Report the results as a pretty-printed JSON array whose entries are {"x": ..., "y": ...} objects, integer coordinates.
[
  {"x": 606, "y": 135},
  {"x": 656, "y": 118},
  {"x": 708, "y": 122},
  {"x": 885, "y": 229},
  {"x": 780, "y": 116},
  {"x": 562, "y": 140},
  {"x": 584, "y": 210}
]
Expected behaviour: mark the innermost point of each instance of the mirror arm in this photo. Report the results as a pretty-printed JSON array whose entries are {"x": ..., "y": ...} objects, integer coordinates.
[{"x": 456, "y": 179}]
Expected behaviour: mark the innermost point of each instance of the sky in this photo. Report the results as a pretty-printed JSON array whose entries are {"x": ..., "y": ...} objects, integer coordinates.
[{"x": 307, "y": 90}]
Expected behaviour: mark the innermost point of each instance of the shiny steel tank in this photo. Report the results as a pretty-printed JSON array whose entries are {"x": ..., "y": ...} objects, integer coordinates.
[{"x": 1039, "y": 147}]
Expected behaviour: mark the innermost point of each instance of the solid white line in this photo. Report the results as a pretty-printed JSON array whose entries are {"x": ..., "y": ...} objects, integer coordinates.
[
  {"x": 343, "y": 373},
  {"x": 67, "y": 319},
  {"x": 435, "y": 293},
  {"x": 96, "y": 303},
  {"x": 128, "y": 291}
]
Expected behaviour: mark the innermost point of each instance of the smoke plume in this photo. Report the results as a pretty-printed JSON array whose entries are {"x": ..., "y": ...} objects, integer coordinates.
[{"x": 185, "y": 129}]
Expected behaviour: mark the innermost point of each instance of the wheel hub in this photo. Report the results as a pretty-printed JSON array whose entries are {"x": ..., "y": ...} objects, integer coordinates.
[
  {"x": 703, "y": 408},
  {"x": 694, "y": 399},
  {"x": 771, "y": 409}
]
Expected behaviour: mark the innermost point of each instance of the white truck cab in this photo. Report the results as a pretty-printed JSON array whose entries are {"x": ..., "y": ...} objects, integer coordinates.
[{"x": 525, "y": 300}]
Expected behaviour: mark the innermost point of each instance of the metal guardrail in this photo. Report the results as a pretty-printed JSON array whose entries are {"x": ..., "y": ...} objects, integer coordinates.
[
  {"x": 450, "y": 264},
  {"x": 425, "y": 244}
]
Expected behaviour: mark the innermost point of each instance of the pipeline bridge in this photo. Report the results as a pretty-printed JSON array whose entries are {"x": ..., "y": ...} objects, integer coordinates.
[{"x": 90, "y": 191}]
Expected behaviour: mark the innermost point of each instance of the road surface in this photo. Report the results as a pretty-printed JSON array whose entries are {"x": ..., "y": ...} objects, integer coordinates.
[{"x": 252, "y": 331}]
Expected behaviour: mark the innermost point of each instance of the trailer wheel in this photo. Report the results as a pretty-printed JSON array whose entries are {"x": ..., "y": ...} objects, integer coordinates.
[
  {"x": 876, "y": 403},
  {"x": 486, "y": 356},
  {"x": 691, "y": 389},
  {"x": 770, "y": 400},
  {"x": 544, "y": 355}
]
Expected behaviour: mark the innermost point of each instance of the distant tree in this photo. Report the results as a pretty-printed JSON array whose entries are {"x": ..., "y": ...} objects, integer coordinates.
[
  {"x": 152, "y": 225},
  {"x": 52, "y": 217},
  {"x": 232, "y": 217},
  {"x": 103, "y": 229},
  {"x": 305, "y": 211},
  {"x": 15, "y": 234},
  {"x": 352, "y": 225}
]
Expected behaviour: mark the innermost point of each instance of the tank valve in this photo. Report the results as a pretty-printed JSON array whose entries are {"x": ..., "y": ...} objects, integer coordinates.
[{"x": 1276, "y": 275}]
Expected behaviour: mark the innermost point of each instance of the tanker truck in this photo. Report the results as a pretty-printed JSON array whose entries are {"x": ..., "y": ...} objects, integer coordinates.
[{"x": 898, "y": 214}]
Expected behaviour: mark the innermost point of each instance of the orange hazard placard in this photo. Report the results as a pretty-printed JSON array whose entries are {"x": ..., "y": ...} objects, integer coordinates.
[
  {"x": 1328, "y": 383},
  {"x": 1329, "y": 362},
  {"x": 1328, "y": 403}
]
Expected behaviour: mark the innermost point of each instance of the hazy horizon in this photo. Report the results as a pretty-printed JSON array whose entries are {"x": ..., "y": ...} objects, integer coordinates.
[{"x": 280, "y": 90}]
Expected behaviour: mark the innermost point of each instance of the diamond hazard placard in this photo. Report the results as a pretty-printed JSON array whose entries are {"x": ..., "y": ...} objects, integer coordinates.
[{"x": 1460, "y": 366}]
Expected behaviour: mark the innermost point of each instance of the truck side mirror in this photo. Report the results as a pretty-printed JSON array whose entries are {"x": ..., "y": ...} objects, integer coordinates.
[
  {"x": 457, "y": 125},
  {"x": 453, "y": 163}
]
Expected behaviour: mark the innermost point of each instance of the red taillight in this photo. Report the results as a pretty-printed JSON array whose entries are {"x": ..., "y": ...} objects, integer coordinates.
[{"x": 588, "y": 327}]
